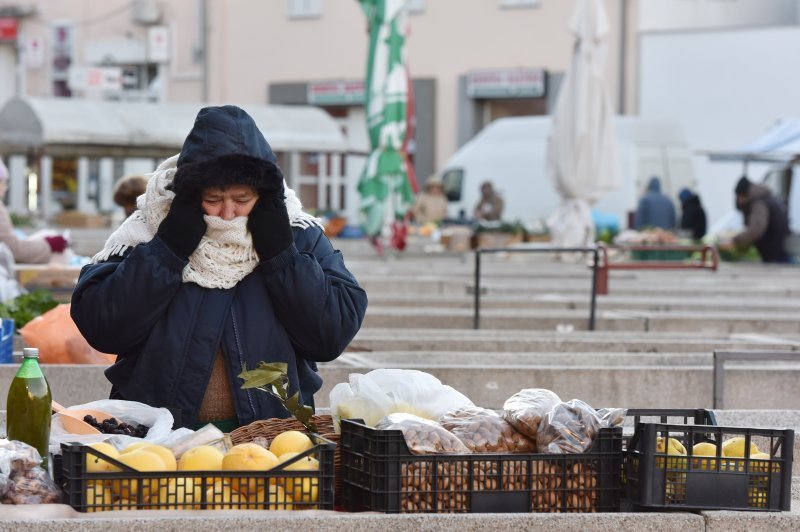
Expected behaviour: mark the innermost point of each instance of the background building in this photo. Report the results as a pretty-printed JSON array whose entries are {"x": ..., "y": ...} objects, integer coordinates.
[{"x": 471, "y": 61}]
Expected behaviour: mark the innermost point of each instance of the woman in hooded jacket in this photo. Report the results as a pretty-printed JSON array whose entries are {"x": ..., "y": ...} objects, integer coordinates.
[{"x": 218, "y": 268}]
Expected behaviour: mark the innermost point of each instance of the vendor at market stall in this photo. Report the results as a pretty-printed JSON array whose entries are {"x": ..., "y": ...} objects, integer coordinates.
[{"x": 218, "y": 269}]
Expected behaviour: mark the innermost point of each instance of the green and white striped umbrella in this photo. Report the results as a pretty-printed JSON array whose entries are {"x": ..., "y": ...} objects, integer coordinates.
[{"x": 384, "y": 183}]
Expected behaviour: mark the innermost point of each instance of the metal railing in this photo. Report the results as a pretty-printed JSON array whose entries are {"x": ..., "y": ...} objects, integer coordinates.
[
  {"x": 720, "y": 357},
  {"x": 476, "y": 324},
  {"x": 709, "y": 260}
]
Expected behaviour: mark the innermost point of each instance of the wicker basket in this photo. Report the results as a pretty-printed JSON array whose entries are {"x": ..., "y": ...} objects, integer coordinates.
[{"x": 269, "y": 428}]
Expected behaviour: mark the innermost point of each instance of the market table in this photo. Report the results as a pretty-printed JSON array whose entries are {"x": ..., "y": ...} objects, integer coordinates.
[{"x": 60, "y": 279}]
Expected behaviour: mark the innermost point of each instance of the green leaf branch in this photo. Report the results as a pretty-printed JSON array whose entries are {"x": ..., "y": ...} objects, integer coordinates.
[{"x": 273, "y": 379}]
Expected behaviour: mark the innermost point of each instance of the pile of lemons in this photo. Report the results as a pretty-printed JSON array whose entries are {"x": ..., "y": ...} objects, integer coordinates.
[
  {"x": 732, "y": 459},
  {"x": 246, "y": 491}
]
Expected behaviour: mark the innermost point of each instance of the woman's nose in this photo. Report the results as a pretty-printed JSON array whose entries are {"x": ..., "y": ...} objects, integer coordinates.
[{"x": 228, "y": 211}]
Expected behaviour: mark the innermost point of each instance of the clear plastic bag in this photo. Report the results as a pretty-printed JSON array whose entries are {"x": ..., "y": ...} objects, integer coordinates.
[
  {"x": 381, "y": 392},
  {"x": 485, "y": 431},
  {"x": 525, "y": 409},
  {"x": 183, "y": 440},
  {"x": 423, "y": 436},
  {"x": 159, "y": 421},
  {"x": 571, "y": 427},
  {"x": 22, "y": 479}
]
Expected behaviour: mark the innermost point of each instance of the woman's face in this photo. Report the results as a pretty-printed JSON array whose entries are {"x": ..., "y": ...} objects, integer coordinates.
[{"x": 230, "y": 202}]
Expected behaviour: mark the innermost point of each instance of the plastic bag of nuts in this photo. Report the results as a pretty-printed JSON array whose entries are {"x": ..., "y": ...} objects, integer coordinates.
[
  {"x": 525, "y": 409},
  {"x": 22, "y": 480},
  {"x": 422, "y": 435},
  {"x": 571, "y": 427},
  {"x": 485, "y": 431}
]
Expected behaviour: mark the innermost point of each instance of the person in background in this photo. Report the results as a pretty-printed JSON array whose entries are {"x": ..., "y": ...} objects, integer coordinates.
[
  {"x": 490, "y": 206},
  {"x": 655, "y": 209},
  {"x": 766, "y": 221},
  {"x": 693, "y": 216},
  {"x": 25, "y": 251},
  {"x": 218, "y": 270},
  {"x": 431, "y": 205},
  {"x": 127, "y": 190}
]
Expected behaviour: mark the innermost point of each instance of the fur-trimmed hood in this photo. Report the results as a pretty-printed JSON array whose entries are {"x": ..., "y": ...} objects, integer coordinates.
[{"x": 225, "y": 147}]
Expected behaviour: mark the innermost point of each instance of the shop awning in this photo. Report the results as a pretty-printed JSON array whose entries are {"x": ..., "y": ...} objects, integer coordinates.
[
  {"x": 781, "y": 142},
  {"x": 34, "y": 123}
]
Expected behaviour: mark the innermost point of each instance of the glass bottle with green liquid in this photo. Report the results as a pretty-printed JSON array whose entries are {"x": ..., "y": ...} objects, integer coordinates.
[{"x": 29, "y": 405}]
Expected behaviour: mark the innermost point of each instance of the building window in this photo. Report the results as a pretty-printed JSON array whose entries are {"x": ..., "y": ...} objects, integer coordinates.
[
  {"x": 416, "y": 6},
  {"x": 304, "y": 8},
  {"x": 519, "y": 3}
]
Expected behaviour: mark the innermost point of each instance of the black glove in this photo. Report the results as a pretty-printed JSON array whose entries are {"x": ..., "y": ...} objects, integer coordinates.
[
  {"x": 269, "y": 225},
  {"x": 183, "y": 227}
]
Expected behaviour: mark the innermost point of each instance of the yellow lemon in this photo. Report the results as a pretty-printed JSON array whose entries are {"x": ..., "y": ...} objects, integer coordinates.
[
  {"x": 275, "y": 500},
  {"x": 290, "y": 441},
  {"x": 135, "y": 446},
  {"x": 248, "y": 457},
  {"x": 165, "y": 454},
  {"x": 704, "y": 449},
  {"x": 735, "y": 447},
  {"x": 221, "y": 496},
  {"x": 672, "y": 446},
  {"x": 140, "y": 460},
  {"x": 177, "y": 494},
  {"x": 126, "y": 504},
  {"x": 202, "y": 458},
  {"x": 756, "y": 497},
  {"x": 98, "y": 497},
  {"x": 95, "y": 464},
  {"x": 303, "y": 490}
]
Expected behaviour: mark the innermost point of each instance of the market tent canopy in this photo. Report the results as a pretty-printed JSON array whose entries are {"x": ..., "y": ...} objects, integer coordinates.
[
  {"x": 33, "y": 123},
  {"x": 781, "y": 142}
]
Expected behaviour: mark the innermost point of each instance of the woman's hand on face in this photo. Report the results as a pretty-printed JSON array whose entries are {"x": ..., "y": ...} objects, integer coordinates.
[
  {"x": 269, "y": 224},
  {"x": 184, "y": 226}
]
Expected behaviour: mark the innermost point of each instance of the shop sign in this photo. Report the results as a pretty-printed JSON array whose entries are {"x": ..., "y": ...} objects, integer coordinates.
[
  {"x": 339, "y": 92},
  {"x": 158, "y": 44},
  {"x": 95, "y": 78},
  {"x": 517, "y": 83},
  {"x": 9, "y": 27}
]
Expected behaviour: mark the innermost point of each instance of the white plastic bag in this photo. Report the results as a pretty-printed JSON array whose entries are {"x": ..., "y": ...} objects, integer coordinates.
[
  {"x": 381, "y": 392},
  {"x": 9, "y": 286},
  {"x": 158, "y": 419}
]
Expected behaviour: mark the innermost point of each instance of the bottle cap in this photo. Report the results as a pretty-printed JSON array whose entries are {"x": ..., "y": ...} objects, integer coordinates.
[{"x": 30, "y": 352}]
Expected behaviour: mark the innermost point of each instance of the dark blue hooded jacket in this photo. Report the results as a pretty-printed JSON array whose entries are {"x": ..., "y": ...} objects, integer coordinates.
[
  {"x": 301, "y": 307},
  {"x": 655, "y": 209}
]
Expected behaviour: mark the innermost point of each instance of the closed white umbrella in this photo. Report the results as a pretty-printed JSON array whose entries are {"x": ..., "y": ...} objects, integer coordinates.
[{"x": 582, "y": 151}]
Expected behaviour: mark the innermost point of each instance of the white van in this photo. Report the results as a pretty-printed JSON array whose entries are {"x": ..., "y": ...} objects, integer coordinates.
[{"x": 510, "y": 152}]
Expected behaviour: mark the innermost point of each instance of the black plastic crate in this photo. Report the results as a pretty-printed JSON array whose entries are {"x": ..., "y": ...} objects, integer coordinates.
[
  {"x": 129, "y": 489},
  {"x": 381, "y": 474},
  {"x": 685, "y": 416},
  {"x": 656, "y": 480}
]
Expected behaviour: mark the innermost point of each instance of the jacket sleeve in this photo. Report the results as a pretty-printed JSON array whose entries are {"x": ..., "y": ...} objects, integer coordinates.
[
  {"x": 24, "y": 251},
  {"x": 757, "y": 224},
  {"x": 116, "y": 303},
  {"x": 316, "y": 299}
]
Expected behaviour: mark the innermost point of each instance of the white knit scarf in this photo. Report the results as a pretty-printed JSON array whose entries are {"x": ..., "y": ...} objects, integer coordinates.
[{"x": 225, "y": 254}]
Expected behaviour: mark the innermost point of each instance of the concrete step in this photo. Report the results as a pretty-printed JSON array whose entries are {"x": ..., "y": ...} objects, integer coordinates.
[
  {"x": 607, "y": 320},
  {"x": 581, "y": 301},
  {"x": 489, "y": 340},
  {"x": 490, "y": 380}
]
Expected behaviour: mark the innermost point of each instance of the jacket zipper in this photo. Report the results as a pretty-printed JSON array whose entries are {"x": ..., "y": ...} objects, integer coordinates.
[{"x": 241, "y": 359}]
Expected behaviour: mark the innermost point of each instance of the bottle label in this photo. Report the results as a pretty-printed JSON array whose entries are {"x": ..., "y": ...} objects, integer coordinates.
[{"x": 30, "y": 369}]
